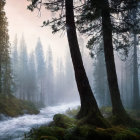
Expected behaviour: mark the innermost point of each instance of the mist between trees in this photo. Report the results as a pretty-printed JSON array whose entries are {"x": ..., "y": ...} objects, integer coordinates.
[
  {"x": 35, "y": 80},
  {"x": 31, "y": 76}
]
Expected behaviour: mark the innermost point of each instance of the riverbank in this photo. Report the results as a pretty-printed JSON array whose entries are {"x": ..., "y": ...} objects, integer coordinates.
[
  {"x": 15, "y": 128},
  {"x": 13, "y": 107},
  {"x": 66, "y": 128}
]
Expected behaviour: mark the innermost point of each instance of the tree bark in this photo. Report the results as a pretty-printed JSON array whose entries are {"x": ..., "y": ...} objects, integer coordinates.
[
  {"x": 0, "y": 76},
  {"x": 89, "y": 108},
  {"x": 117, "y": 107},
  {"x": 136, "y": 98}
]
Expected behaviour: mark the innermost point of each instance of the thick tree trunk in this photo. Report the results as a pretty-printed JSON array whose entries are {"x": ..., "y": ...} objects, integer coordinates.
[
  {"x": 89, "y": 108},
  {"x": 136, "y": 98},
  {"x": 117, "y": 107},
  {"x": 0, "y": 77}
]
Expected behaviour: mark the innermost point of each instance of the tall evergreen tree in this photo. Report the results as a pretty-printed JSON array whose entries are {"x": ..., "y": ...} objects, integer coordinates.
[
  {"x": 135, "y": 32},
  {"x": 118, "y": 108},
  {"x": 41, "y": 70},
  {"x": 60, "y": 81},
  {"x": 23, "y": 70},
  {"x": 49, "y": 77},
  {"x": 89, "y": 106},
  {"x": 104, "y": 27},
  {"x": 5, "y": 69},
  {"x": 100, "y": 86},
  {"x": 14, "y": 65},
  {"x": 32, "y": 80},
  {"x": 69, "y": 93},
  {"x": 89, "y": 110}
]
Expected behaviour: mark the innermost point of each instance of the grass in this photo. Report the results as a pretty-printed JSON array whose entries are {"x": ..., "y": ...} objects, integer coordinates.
[{"x": 13, "y": 107}]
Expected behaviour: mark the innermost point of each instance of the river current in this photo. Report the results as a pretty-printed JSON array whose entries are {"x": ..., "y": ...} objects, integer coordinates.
[{"x": 14, "y": 128}]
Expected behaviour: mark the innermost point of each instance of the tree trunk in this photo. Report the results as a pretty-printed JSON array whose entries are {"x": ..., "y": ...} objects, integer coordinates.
[
  {"x": 117, "y": 107},
  {"x": 89, "y": 109},
  {"x": 136, "y": 98},
  {"x": 0, "y": 77}
]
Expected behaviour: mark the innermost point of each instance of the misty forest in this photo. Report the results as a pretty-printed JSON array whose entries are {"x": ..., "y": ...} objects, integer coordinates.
[{"x": 69, "y": 70}]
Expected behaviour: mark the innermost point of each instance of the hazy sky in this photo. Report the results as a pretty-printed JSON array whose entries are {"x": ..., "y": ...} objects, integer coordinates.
[
  {"x": 24, "y": 21},
  {"x": 29, "y": 23}
]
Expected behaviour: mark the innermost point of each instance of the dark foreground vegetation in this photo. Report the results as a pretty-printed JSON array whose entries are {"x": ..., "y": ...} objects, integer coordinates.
[
  {"x": 13, "y": 107},
  {"x": 68, "y": 128}
]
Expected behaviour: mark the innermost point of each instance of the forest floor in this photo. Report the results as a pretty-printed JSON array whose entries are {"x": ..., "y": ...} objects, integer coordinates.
[
  {"x": 65, "y": 127},
  {"x": 13, "y": 107}
]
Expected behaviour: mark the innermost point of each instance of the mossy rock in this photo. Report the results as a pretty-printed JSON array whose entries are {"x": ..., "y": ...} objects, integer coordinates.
[
  {"x": 75, "y": 133},
  {"x": 86, "y": 132},
  {"x": 45, "y": 131},
  {"x": 65, "y": 128},
  {"x": 63, "y": 121}
]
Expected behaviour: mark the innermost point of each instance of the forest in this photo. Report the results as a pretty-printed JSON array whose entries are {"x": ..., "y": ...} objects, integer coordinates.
[{"x": 69, "y": 70}]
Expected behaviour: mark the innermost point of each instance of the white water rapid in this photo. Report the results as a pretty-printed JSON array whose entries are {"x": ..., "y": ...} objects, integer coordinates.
[{"x": 14, "y": 128}]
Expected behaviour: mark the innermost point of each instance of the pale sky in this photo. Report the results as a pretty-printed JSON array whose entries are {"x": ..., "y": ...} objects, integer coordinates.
[
  {"x": 29, "y": 23},
  {"x": 24, "y": 21}
]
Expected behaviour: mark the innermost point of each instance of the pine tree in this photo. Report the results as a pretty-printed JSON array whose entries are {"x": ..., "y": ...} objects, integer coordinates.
[
  {"x": 136, "y": 92},
  {"x": 41, "y": 71},
  {"x": 49, "y": 78},
  {"x": 14, "y": 65},
  {"x": 32, "y": 80},
  {"x": 100, "y": 86},
  {"x": 69, "y": 93},
  {"x": 59, "y": 81},
  {"x": 23, "y": 70},
  {"x": 89, "y": 109},
  {"x": 5, "y": 69},
  {"x": 103, "y": 26}
]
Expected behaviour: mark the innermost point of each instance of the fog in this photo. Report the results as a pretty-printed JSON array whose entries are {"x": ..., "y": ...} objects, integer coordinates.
[{"x": 42, "y": 67}]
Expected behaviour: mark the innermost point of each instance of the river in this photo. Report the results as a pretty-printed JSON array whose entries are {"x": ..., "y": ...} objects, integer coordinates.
[{"x": 14, "y": 128}]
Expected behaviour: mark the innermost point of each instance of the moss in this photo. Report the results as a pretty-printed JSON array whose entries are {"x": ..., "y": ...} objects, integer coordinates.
[
  {"x": 73, "y": 112},
  {"x": 118, "y": 133},
  {"x": 134, "y": 113},
  {"x": 63, "y": 121},
  {"x": 13, "y": 107},
  {"x": 45, "y": 131},
  {"x": 77, "y": 133},
  {"x": 65, "y": 128},
  {"x": 48, "y": 138},
  {"x": 114, "y": 133},
  {"x": 87, "y": 132},
  {"x": 106, "y": 111},
  {"x": 97, "y": 121},
  {"x": 84, "y": 130},
  {"x": 125, "y": 121},
  {"x": 126, "y": 135},
  {"x": 135, "y": 130},
  {"x": 129, "y": 119}
]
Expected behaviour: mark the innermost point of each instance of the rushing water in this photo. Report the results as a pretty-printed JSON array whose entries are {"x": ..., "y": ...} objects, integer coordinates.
[{"x": 14, "y": 128}]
